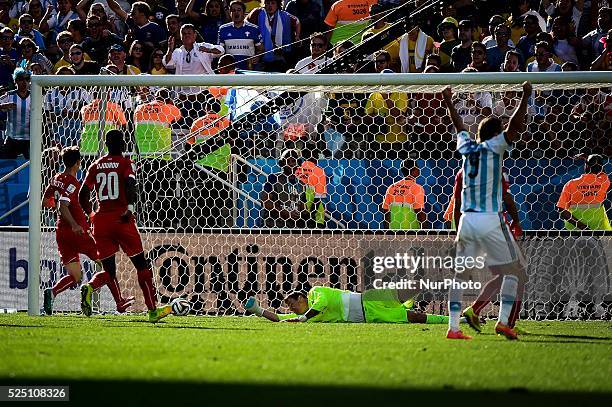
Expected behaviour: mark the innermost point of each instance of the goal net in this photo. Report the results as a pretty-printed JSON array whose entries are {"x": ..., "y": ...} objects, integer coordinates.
[{"x": 263, "y": 184}]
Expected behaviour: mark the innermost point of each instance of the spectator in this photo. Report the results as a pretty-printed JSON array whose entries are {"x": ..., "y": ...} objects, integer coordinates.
[
  {"x": 308, "y": 12},
  {"x": 62, "y": 107},
  {"x": 447, "y": 29},
  {"x": 315, "y": 182},
  {"x": 284, "y": 196},
  {"x": 157, "y": 63},
  {"x": 520, "y": 9},
  {"x": 433, "y": 60},
  {"x": 511, "y": 63},
  {"x": 210, "y": 19},
  {"x": 592, "y": 45},
  {"x": 526, "y": 45},
  {"x": 117, "y": 57},
  {"x": 506, "y": 104},
  {"x": 226, "y": 65},
  {"x": 99, "y": 41},
  {"x": 26, "y": 30},
  {"x": 57, "y": 20},
  {"x": 386, "y": 115},
  {"x": 480, "y": 58},
  {"x": 191, "y": 58},
  {"x": 5, "y": 18},
  {"x": 604, "y": 60},
  {"x": 405, "y": 200},
  {"x": 98, "y": 10},
  {"x": 489, "y": 40},
  {"x": 78, "y": 29},
  {"x": 565, "y": 43},
  {"x": 9, "y": 56},
  {"x": 279, "y": 30},
  {"x": 31, "y": 54},
  {"x": 346, "y": 18},
  {"x": 543, "y": 61},
  {"x": 414, "y": 47},
  {"x": 37, "y": 69},
  {"x": 79, "y": 64},
  {"x": 35, "y": 9},
  {"x": 148, "y": 32},
  {"x": 173, "y": 25},
  {"x": 497, "y": 54},
  {"x": 473, "y": 107},
  {"x": 137, "y": 56},
  {"x": 571, "y": 9},
  {"x": 318, "y": 55},
  {"x": 461, "y": 54},
  {"x": 64, "y": 42},
  {"x": 379, "y": 23},
  {"x": 17, "y": 104},
  {"x": 240, "y": 38}
]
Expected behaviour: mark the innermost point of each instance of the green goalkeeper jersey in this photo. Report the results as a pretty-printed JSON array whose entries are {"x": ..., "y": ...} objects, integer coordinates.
[{"x": 328, "y": 301}]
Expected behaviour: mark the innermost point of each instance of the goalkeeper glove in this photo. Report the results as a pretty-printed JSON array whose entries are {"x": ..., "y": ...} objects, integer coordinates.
[{"x": 252, "y": 306}]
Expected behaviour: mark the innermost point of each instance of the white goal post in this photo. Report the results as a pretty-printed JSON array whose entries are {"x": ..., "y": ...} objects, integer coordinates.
[{"x": 361, "y": 83}]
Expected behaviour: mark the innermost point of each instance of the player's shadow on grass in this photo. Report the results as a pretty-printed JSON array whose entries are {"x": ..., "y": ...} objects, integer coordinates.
[
  {"x": 560, "y": 338},
  {"x": 33, "y": 326},
  {"x": 171, "y": 325}
]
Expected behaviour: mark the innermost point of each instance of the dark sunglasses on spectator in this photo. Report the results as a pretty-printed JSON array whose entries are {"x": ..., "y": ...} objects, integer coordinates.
[
  {"x": 158, "y": 55},
  {"x": 28, "y": 46},
  {"x": 76, "y": 53},
  {"x": 380, "y": 61},
  {"x": 317, "y": 45},
  {"x": 138, "y": 49},
  {"x": 27, "y": 21},
  {"x": 529, "y": 22},
  {"x": 541, "y": 54}
]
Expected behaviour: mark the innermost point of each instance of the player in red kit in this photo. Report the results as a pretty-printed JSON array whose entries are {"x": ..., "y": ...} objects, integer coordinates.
[
  {"x": 113, "y": 179},
  {"x": 72, "y": 233}
]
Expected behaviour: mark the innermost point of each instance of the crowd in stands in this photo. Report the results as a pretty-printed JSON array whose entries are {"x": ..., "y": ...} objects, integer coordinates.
[{"x": 179, "y": 37}]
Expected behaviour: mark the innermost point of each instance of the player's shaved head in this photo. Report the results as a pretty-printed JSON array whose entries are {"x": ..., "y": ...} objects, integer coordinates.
[
  {"x": 297, "y": 301},
  {"x": 115, "y": 142},
  {"x": 409, "y": 167},
  {"x": 594, "y": 164},
  {"x": 71, "y": 156},
  {"x": 489, "y": 128}
]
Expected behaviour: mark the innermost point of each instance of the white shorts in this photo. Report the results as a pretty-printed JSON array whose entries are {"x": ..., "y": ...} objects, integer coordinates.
[{"x": 488, "y": 235}]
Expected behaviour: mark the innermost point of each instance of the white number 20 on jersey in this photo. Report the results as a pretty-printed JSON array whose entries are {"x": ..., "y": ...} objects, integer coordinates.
[{"x": 108, "y": 185}]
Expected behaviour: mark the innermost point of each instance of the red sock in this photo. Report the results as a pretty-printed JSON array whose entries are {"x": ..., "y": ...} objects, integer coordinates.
[
  {"x": 490, "y": 289},
  {"x": 113, "y": 286},
  {"x": 145, "y": 280},
  {"x": 63, "y": 284},
  {"x": 99, "y": 279},
  {"x": 514, "y": 314}
]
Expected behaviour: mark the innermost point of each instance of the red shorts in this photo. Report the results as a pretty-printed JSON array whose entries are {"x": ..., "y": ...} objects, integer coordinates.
[
  {"x": 70, "y": 245},
  {"x": 111, "y": 234}
]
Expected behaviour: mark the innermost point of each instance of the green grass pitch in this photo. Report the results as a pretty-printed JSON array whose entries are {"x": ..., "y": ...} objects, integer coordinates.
[{"x": 222, "y": 360}]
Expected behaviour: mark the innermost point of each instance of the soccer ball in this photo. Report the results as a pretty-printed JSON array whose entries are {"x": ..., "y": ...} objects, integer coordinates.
[{"x": 180, "y": 306}]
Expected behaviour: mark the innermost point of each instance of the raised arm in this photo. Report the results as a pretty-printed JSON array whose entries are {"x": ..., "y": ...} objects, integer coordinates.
[
  {"x": 189, "y": 11},
  {"x": 113, "y": 5},
  {"x": 81, "y": 9},
  {"x": 517, "y": 122},
  {"x": 447, "y": 96}
]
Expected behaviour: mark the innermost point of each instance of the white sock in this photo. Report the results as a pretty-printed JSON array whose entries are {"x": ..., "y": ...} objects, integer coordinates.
[
  {"x": 508, "y": 295},
  {"x": 455, "y": 296}
]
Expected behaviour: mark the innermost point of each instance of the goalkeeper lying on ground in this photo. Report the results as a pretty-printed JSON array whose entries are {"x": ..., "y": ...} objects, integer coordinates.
[{"x": 324, "y": 304}]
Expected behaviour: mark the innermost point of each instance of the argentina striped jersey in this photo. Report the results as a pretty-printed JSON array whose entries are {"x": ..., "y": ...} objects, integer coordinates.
[
  {"x": 482, "y": 169},
  {"x": 18, "y": 124}
]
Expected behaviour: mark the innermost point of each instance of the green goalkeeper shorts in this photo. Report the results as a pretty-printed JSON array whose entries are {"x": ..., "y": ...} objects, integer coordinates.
[{"x": 383, "y": 306}]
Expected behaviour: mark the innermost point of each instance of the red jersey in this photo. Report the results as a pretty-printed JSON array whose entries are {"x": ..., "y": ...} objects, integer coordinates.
[
  {"x": 107, "y": 177},
  {"x": 64, "y": 187}
]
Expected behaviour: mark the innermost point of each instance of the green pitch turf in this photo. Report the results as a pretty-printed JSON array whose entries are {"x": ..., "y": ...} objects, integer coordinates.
[{"x": 229, "y": 360}]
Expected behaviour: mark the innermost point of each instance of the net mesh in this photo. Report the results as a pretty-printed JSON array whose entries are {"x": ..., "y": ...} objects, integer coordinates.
[{"x": 221, "y": 217}]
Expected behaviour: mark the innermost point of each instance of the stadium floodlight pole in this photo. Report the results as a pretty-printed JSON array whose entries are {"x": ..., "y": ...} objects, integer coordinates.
[{"x": 34, "y": 229}]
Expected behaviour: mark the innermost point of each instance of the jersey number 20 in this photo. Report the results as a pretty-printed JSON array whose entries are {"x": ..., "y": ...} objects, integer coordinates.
[{"x": 108, "y": 186}]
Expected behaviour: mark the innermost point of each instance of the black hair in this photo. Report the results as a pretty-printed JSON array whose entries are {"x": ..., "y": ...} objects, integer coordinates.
[
  {"x": 489, "y": 128},
  {"x": 295, "y": 295},
  {"x": 115, "y": 142},
  {"x": 71, "y": 156},
  {"x": 594, "y": 164}
]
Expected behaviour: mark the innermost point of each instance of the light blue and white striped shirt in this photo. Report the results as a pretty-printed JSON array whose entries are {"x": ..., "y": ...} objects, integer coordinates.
[
  {"x": 18, "y": 124},
  {"x": 482, "y": 169}
]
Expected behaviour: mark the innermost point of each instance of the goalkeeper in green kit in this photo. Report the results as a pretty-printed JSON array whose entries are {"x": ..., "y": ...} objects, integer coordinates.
[{"x": 325, "y": 304}]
